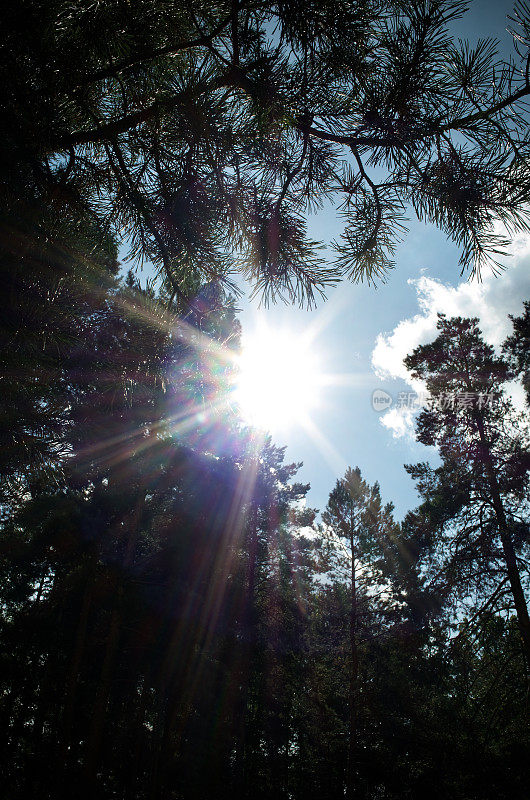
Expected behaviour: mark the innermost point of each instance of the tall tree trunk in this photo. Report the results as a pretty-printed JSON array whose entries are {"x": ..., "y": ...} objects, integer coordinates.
[
  {"x": 77, "y": 656},
  {"x": 95, "y": 737},
  {"x": 137, "y": 760},
  {"x": 519, "y": 599},
  {"x": 103, "y": 690},
  {"x": 354, "y": 676},
  {"x": 166, "y": 718}
]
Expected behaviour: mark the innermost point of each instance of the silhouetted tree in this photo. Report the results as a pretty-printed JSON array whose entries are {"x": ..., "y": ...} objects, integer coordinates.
[
  {"x": 476, "y": 502},
  {"x": 355, "y": 513},
  {"x": 517, "y": 347},
  {"x": 197, "y": 132}
]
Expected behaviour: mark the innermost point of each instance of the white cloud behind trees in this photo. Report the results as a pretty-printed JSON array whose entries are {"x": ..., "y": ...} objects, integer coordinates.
[{"x": 491, "y": 300}]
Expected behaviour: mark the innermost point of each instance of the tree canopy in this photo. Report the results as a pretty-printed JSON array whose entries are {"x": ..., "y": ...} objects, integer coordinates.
[
  {"x": 175, "y": 621},
  {"x": 204, "y": 135},
  {"x": 476, "y": 502}
]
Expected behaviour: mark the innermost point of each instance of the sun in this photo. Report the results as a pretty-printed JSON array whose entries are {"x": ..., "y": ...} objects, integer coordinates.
[{"x": 279, "y": 379}]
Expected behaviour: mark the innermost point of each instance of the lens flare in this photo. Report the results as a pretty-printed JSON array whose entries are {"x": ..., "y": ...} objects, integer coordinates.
[{"x": 279, "y": 379}]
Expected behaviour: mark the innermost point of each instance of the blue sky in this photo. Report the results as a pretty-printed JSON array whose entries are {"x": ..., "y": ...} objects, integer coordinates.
[
  {"x": 355, "y": 315},
  {"x": 359, "y": 323},
  {"x": 402, "y": 311}
]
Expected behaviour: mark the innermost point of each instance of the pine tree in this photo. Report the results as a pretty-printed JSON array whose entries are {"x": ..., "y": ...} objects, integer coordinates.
[
  {"x": 476, "y": 502},
  {"x": 355, "y": 513},
  {"x": 200, "y": 133},
  {"x": 346, "y": 514},
  {"x": 517, "y": 347}
]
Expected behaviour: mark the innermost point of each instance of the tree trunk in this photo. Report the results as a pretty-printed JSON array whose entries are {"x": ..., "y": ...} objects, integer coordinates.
[
  {"x": 138, "y": 754},
  {"x": 95, "y": 737},
  {"x": 245, "y": 732},
  {"x": 519, "y": 599},
  {"x": 77, "y": 657},
  {"x": 354, "y": 677}
]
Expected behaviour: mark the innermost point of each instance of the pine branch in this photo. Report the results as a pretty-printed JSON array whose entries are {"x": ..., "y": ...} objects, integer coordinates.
[{"x": 127, "y": 64}]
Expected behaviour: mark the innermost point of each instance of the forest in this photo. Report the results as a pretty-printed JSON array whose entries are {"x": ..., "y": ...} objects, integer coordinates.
[{"x": 177, "y": 622}]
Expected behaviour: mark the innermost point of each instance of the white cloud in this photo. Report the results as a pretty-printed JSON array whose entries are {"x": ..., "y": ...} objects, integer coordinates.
[
  {"x": 491, "y": 301},
  {"x": 400, "y": 421}
]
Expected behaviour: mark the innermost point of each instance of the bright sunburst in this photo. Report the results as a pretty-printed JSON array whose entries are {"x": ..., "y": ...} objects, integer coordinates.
[{"x": 279, "y": 379}]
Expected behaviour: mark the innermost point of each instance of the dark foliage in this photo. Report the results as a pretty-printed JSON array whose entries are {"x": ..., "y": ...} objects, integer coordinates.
[{"x": 206, "y": 134}]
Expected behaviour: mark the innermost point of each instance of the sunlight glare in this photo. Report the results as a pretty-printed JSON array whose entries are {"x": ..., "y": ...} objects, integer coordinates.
[{"x": 278, "y": 381}]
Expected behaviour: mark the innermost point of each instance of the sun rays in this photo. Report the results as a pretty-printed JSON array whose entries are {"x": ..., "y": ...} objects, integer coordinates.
[
  {"x": 277, "y": 383},
  {"x": 279, "y": 379}
]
